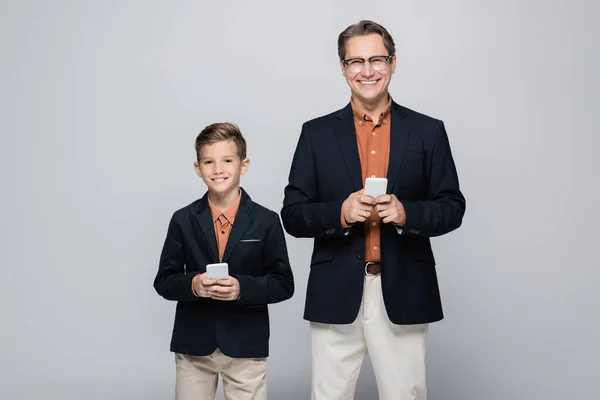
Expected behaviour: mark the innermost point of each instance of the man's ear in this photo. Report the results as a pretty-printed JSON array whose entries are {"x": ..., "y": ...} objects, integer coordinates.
[{"x": 343, "y": 68}]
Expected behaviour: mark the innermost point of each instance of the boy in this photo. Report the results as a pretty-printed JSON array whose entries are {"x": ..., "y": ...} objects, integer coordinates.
[{"x": 222, "y": 326}]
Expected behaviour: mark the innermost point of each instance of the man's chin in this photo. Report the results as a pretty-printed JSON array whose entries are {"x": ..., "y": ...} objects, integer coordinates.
[{"x": 369, "y": 95}]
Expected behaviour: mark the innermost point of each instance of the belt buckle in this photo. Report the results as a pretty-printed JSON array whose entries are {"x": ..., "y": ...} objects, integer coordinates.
[{"x": 366, "y": 265}]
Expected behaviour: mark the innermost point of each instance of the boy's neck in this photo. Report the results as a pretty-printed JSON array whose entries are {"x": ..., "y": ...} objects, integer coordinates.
[{"x": 224, "y": 201}]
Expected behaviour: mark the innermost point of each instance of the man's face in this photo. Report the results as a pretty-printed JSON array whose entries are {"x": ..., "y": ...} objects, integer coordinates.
[
  {"x": 368, "y": 85},
  {"x": 220, "y": 167}
]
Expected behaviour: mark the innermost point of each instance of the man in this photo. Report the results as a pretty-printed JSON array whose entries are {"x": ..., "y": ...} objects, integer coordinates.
[{"x": 372, "y": 285}]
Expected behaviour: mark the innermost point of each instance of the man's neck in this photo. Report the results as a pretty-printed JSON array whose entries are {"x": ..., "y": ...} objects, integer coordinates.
[
  {"x": 373, "y": 108},
  {"x": 224, "y": 201}
]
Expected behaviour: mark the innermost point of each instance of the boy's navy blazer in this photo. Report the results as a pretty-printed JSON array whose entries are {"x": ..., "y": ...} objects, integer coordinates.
[{"x": 257, "y": 256}]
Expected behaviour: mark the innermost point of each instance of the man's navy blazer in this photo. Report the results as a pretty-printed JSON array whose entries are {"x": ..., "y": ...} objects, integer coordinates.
[
  {"x": 421, "y": 173},
  {"x": 257, "y": 256}
]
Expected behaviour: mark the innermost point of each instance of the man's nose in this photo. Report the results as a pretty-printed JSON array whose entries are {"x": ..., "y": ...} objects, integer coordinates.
[{"x": 367, "y": 70}]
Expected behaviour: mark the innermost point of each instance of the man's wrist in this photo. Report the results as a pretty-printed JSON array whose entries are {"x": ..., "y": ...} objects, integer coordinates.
[
  {"x": 194, "y": 285},
  {"x": 402, "y": 221},
  {"x": 345, "y": 224}
]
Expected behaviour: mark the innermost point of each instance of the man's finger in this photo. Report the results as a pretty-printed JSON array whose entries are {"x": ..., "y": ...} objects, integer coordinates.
[
  {"x": 225, "y": 282},
  {"x": 222, "y": 289},
  {"x": 385, "y": 213},
  {"x": 366, "y": 200},
  {"x": 208, "y": 282},
  {"x": 360, "y": 218},
  {"x": 362, "y": 214},
  {"x": 384, "y": 198},
  {"x": 220, "y": 295},
  {"x": 382, "y": 207},
  {"x": 388, "y": 219}
]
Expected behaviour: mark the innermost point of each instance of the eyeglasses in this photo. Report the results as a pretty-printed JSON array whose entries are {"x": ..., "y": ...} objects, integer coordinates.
[{"x": 378, "y": 63}]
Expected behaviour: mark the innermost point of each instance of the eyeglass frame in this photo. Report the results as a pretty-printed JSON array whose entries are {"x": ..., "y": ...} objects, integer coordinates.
[{"x": 365, "y": 60}]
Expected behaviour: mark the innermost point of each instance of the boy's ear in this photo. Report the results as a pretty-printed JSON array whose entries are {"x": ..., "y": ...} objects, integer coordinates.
[
  {"x": 245, "y": 165},
  {"x": 197, "y": 168}
]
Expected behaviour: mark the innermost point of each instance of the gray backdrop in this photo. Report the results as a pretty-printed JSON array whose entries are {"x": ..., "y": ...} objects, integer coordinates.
[{"x": 101, "y": 102}]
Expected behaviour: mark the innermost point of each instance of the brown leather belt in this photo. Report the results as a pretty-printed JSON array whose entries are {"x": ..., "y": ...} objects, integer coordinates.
[{"x": 372, "y": 268}]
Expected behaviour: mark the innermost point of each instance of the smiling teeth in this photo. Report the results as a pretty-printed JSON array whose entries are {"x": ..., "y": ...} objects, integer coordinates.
[
  {"x": 369, "y": 82},
  {"x": 219, "y": 179}
]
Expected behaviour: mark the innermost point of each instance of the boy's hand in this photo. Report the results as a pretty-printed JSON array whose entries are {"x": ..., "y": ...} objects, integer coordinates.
[
  {"x": 225, "y": 289},
  {"x": 201, "y": 285}
]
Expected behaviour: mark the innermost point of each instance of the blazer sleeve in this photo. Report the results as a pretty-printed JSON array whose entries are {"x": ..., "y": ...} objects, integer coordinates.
[
  {"x": 303, "y": 214},
  {"x": 444, "y": 207},
  {"x": 277, "y": 284},
  {"x": 171, "y": 281}
]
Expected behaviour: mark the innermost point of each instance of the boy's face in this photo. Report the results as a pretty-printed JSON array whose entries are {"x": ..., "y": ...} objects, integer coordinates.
[{"x": 220, "y": 167}]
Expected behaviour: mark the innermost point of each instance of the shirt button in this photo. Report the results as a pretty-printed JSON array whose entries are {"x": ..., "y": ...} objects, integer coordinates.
[
  {"x": 373, "y": 133},
  {"x": 372, "y": 151},
  {"x": 384, "y": 121},
  {"x": 375, "y": 248},
  {"x": 374, "y": 223},
  {"x": 360, "y": 123},
  {"x": 373, "y": 176}
]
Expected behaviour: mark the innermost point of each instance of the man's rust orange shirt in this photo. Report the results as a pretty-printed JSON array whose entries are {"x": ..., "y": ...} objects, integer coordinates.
[{"x": 373, "y": 140}]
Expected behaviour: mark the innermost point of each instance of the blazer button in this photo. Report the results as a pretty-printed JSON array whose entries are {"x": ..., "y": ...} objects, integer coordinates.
[{"x": 360, "y": 256}]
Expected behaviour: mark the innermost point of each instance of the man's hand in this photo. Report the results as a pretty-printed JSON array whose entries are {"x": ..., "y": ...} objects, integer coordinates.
[
  {"x": 225, "y": 289},
  {"x": 390, "y": 209},
  {"x": 357, "y": 207},
  {"x": 201, "y": 285}
]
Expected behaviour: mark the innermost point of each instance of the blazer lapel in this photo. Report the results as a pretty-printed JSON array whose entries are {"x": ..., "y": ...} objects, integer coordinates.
[
  {"x": 346, "y": 137},
  {"x": 399, "y": 133},
  {"x": 207, "y": 227},
  {"x": 241, "y": 223}
]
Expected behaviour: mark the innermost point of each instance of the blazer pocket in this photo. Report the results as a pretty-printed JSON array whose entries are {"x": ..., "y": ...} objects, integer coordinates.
[
  {"x": 427, "y": 259},
  {"x": 250, "y": 240},
  {"x": 413, "y": 164},
  {"x": 415, "y": 249},
  {"x": 321, "y": 255}
]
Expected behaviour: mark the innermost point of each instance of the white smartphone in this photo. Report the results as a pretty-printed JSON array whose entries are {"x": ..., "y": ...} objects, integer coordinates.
[
  {"x": 217, "y": 271},
  {"x": 375, "y": 187}
]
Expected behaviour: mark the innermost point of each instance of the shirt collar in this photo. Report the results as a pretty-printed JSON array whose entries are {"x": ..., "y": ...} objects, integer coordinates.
[
  {"x": 229, "y": 214},
  {"x": 361, "y": 116}
]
